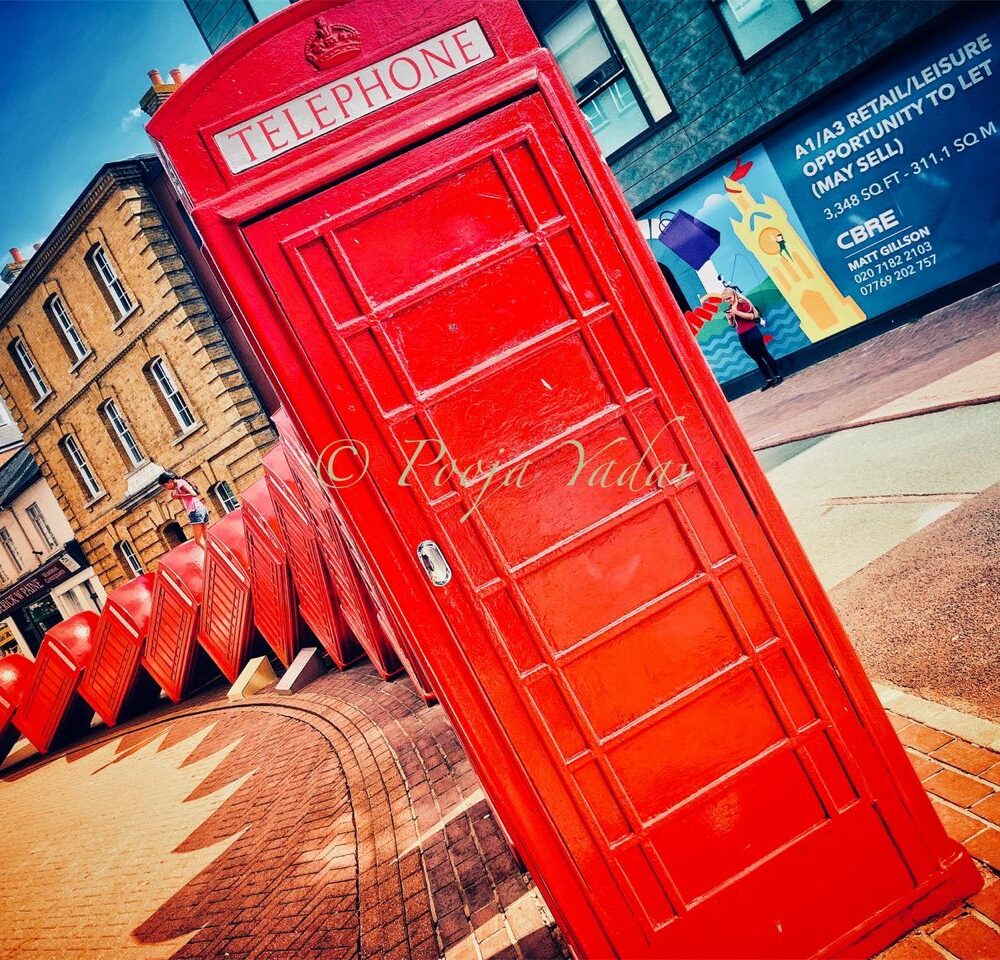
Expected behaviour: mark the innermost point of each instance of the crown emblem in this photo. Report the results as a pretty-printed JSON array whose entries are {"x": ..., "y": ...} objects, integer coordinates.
[{"x": 332, "y": 44}]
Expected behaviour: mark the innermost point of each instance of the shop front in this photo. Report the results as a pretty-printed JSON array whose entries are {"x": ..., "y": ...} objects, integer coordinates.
[
  {"x": 63, "y": 585},
  {"x": 863, "y": 207}
]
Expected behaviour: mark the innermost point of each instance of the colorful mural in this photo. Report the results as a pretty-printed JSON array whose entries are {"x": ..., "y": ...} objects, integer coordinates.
[{"x": 878, "y": 196}]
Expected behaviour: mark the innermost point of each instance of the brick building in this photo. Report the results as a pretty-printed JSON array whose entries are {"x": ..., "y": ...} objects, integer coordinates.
[{"x": 115, "y": 366}]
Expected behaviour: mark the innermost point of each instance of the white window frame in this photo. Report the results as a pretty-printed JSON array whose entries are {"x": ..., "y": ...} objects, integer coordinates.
[
  {"x": 123, "y": 433},
  {"x": 8, "y": 544},
  {"x": 111, "y": 280},
  {"x": 228, "y": 500},
  {"x": 78, "y": 349},
  {"x": 171, "y": 393},
  {"x": 130, "y": 559},
  {"x": 30, "y": 369},
  {"x": 41, "y": 525},
  {"x": 83, "y": 468}
]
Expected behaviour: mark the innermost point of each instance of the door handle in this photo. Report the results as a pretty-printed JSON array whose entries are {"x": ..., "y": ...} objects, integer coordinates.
[{"x": 434, "y": 563}]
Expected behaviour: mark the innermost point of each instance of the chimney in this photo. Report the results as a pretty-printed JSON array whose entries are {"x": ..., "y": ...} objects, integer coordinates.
[
  {"x": 157, "y": 94},
  {"x": 12, "y": 269}
]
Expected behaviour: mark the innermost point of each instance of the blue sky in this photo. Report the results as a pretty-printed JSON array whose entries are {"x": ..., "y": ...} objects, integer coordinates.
[{"x": 71, "y": 75}]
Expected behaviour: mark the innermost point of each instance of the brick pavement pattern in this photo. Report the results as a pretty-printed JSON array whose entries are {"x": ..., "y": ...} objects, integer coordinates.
[{"x": 342, "y": 822}]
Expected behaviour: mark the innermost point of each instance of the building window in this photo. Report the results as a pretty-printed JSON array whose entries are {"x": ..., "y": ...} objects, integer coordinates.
[
  {"x": 8, "y": 545},
  {"x": 753, "y": 26},
  {"x": 41, "y": 525},
  {"x": 79, "y": 461},
  {"x": 123, "y": 434},
  {"x": 109, "y": 277},
  {"x": 75, "y": 346},
  {"x": 602, "y": 59},
  {"x": 129, "y": 558},
  {"x": 174, "y": 398},
  {"x": 226, "y": 497},
  {"x": 32, "y": 375}
]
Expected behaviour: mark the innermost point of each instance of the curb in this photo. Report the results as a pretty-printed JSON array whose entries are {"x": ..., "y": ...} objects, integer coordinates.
[
  {"x": 983, "y": 733},
  {"x": 888, "y": 418}
]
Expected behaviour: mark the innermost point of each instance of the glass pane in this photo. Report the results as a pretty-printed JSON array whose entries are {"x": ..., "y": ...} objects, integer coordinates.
[
  {"x": 756, "y": 23},
  {"x": 814, "y": 5},
  {"x": 581, "y": 50},
  {"x": 615, "y": 116}
]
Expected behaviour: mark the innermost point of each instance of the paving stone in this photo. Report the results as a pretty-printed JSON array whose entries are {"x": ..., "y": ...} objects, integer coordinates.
[
  {"x": 970, "y": 939},
  {"x": 988, "y": 808},
  {"x": 925, "y": 768},
  {"x": 985, "y": 846},
  {"x": 912, "y": 948},
  {"x": 957, "y": 787},
  {"x": 959, "y": 826},
  {"x": 966, "y": 756},
  {"x": 987, "y": 901},
  {"x": 923, "y": 738}
]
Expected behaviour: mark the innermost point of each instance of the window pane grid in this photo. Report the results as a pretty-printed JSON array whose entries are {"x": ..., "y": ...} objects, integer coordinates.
[
  {"x": 130, "y": 558},
  {"x": 115, "y": 287},
  {"x": 82, "y": 467},
  {"x": 41, "y": 525},
  {"x": 30, "y": 370},
  {"x": 226, "y": 497},
  {"x": 172, "y": 395},
  {"x": 72, "y": 335},
  {"x": 8, "y": 545},
  {"x": 124, "y": 433}
]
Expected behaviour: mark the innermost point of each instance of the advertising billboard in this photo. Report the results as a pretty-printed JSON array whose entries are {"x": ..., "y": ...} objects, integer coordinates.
[{"x": 885, "y": 191}]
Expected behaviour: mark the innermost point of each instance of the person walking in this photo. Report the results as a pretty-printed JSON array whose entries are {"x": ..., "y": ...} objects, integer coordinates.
[
  {"x": 187, "y": 493},
  {"x": 744, "y": 318}
]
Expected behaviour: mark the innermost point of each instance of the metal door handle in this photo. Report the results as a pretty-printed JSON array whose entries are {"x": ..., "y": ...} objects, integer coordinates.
[{"x": 435, "y": 565}]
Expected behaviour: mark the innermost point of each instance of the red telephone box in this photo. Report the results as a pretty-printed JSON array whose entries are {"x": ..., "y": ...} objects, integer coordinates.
[
  {"x": 15, "y": 678},
  {"x": 171, "y": 656},
  {"x": 469, "y": 333},
  {"x": 52, "y": 712},
  {"x": 364, "y": 614},
  {"x": 114, "y": 683},
  {"x": 317, "y": 601},
  {"x": 275, "y": 610},
  {"x": 227, "y": 630}
]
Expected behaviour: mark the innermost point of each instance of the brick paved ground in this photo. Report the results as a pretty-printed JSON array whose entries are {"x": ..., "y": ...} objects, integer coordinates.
[
  {"x": 343, "y": 822},
  {"x": 949, "y": 356}
]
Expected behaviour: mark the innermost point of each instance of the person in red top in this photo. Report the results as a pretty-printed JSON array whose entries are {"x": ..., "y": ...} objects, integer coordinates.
[
  {"x": 745, "y": 320},
  {"x": 187, "y": 493}
]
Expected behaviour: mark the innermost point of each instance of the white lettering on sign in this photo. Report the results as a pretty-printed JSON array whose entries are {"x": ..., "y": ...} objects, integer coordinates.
[{"x": 352, "y": 97}]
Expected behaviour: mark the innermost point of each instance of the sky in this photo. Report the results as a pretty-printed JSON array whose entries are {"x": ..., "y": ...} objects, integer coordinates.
[{"x": 71, "y": 76}]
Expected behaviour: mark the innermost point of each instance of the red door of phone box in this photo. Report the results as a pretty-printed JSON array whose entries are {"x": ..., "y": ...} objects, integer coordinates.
[
  {"x": 431, "y": 255},
  {"x": 318, "y": 603},
  {"x": 15, "y": 679},
  {"x": 360, "y": 605},
  {"x": 52, "y": 712},
  {"x": 171, "y": 656},
  {"x": 275, "y": 608},
  {"x": 227, "y": 630},
  {"x": 114, "y": 683}
]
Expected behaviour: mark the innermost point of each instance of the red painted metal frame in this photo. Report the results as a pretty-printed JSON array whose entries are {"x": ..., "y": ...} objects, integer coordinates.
[
  {"x": 358, "y": 604},
  {"x": 821, "y": 842},
  {"x": 318, "y": 602},
  {"x": 52, "y": 713},
  {"x": 15, "y": 679},
  {"x": 171, "y": 655},
  {"x": 227, "y": 629},
  {"x": 275, "y": 608},
  {"x": 114, "y": 683}
]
